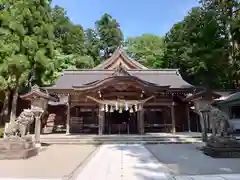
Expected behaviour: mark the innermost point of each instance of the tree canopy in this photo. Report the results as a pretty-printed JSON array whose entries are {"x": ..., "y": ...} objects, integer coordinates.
[{"x": 148, "y": 49}]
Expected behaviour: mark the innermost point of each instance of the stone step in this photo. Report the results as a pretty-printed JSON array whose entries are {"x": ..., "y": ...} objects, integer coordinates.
[
  {"x": 122, "y": 142},
  {"x": 117, "y": 137},
  {"x": 117, "y": 141}
]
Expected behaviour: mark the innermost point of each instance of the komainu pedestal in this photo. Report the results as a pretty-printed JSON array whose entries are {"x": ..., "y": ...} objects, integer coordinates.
[
  {"x": 221, "y": 144},
  {"x": 222, "y": 147},
  {"x": 16, "y": 147}
]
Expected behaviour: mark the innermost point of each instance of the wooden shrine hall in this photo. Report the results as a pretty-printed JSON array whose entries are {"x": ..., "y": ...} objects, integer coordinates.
[{"x": 121, "y": 96}]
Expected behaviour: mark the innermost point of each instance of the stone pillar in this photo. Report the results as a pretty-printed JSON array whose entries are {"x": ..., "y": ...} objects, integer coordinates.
[
  {"x": 37, "y": 129},
  {"x": 141, "y": 119},
  {"x": 204, "y": 126},
  {"x": 213, "y": 123},
  {"x": 173, "y": 118},
  {"x": 68, "y": 116},
  {"x": 188, "y": 118}
]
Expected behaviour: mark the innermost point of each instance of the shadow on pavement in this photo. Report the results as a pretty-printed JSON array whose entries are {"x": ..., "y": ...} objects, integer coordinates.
[
  {"x": 143, "y": 165},
  {"x": 185, "y": 159}
]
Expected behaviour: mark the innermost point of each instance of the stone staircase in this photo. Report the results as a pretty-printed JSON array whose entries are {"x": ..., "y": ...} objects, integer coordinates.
[{"x": 119, "y": 139}]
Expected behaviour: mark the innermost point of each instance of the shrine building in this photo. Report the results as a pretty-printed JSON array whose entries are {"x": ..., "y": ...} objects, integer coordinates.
[{"x": 121, "y": 96}]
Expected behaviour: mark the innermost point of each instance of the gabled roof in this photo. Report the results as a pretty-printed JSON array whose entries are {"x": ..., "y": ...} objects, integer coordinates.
[
  {"x": 120, "y": 57},
  {"x": 162, "y": 77},
  {"x": 120, "y": 75},
  {"x": 128, "y": 66}
]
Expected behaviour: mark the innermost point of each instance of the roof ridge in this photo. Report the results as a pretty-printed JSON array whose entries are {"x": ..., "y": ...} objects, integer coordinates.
[
  {"x": 119, "y": 52},
  {"x": 163, "y": 69}
]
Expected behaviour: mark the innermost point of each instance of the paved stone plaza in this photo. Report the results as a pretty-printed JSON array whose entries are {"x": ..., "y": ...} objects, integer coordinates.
[
  {"x": 53, "y": 162},
  {"x": 135, "y": 162},
  {"x": 185, "y": 159},
  {"x": 121, "y": 162}
]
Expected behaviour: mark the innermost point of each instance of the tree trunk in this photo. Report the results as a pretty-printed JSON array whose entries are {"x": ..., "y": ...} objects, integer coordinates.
[
  {"x": 14, "y": 106},
  {"x": 5, "y": 109}
]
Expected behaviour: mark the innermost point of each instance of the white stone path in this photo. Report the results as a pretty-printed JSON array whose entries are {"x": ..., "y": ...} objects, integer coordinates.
[{"x": 123, "y": 162}]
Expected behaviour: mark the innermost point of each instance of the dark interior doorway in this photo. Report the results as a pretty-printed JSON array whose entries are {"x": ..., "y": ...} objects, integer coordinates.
[{"x": 121, "y": 123}]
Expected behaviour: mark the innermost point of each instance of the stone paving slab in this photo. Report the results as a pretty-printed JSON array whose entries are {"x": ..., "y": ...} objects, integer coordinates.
[
  {"x": 123, "y": 162},
  {"x": 54, "y": 161},
  {"x": 187, "y": 160},
  {"x": 26, "y": 179},
  {"x": 210, "y": 177}
]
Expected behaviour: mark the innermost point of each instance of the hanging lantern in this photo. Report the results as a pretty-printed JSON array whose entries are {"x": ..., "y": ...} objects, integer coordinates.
[
  {"x": 131, "y": 110},
  {"x": 126, "y": 107},
  {"x": 102, "y": 108},
  {"x": 106, "y": 108},
  {"x": 140, "y": 107},
  {"x": 116, "y": 105},
  {"x": 111, "y": 109},
  {"x": 120, "y": 110},
  {"x": 136, "y": 109}
]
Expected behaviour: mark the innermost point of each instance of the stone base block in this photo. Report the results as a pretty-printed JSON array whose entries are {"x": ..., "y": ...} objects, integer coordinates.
[
  {"x": 20, "y": 154},
  {"x": 222, "y": 152},
  {"x": 17, "y": 148}
]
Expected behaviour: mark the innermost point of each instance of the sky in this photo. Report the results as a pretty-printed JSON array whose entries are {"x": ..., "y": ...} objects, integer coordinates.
[{"x": 136, "y": 17}]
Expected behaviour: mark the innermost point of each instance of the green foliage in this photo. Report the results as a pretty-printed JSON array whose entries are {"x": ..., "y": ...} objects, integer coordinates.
[
  {"x": 110, "y": 35},
  {"x": 92, "y": 45},
  {"x": 147, "y": 49},
  {"x": 200, "y": 46},
  {"x": 27, "y": 40}
]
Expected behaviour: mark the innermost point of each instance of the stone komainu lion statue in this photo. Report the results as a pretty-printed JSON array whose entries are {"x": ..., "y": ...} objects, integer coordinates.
[
  {"x": 19, "y": 127},
  {"x": 221, "y": 120}
]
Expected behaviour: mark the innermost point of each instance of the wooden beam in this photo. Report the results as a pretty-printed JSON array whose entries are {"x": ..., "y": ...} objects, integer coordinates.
[{"x": 158, "y": 104}]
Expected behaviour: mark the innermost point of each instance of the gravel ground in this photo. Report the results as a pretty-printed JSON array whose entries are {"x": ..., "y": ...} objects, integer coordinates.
[
  {"x": 55, "y": 161},
  {"x": 185, "y": 159}
]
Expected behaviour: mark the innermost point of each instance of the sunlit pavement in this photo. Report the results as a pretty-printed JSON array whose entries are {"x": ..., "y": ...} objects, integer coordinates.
[
  {"x": 210, "y": 177},
  {"x": 124, "y": 162},
  {"x": 135, "y": 162}
]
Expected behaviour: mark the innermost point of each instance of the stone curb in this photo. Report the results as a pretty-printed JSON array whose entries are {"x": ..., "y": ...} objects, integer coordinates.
[{"x": 80, "y": 167}]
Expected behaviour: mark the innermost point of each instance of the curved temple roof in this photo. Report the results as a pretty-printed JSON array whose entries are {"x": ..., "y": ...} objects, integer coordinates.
[
  {"x": 120, "y": 75},
  {"x": 121, "y": 65}
]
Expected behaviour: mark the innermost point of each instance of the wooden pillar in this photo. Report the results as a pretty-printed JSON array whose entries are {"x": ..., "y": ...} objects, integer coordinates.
[
  {"x": 68, "y": 116},
  {"x": 37, "y": 129},
  {"x": 100, "y": 121},
  {"x": 141, "y": 119},
  {"x": 103, "y": 121},
  {"x": 188, "y": 118},
  {"x": 173, "y": 117}
]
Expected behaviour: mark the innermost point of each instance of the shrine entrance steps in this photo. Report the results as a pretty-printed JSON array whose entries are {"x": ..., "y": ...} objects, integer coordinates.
[{"x": 158, "y": 138}]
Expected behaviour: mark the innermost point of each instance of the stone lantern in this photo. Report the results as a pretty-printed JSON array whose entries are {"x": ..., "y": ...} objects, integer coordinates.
[{"x": 39, "y": 100}]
